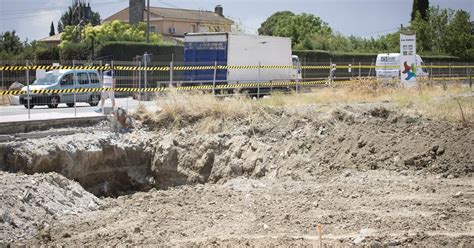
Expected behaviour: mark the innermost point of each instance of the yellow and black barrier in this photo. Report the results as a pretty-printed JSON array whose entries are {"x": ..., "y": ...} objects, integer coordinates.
[
  {"x": 161, "y": 89},
  {"x": 194, "y": 87},
  {"x": 219, "y": 67}
]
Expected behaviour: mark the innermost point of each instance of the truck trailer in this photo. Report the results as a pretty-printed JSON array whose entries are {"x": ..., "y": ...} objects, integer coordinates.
[{"x": 249, "y": 58}]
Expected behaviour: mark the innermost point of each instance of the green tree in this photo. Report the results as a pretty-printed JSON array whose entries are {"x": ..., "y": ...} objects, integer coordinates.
[
  {"x": 421, "y": 6},
  {"x": 424, "y": 33},
  {"x": 268, "y": 26},
  {"x": 113, "y": 31},
  {"x": 10, "y": 43},
  {"x": 80, "y": 13},
  {"x": 60, "y": 27},
  {"x": 298, "y": 27},
  {"x": 439, "y": 20},
  {"x": 459, "y": 37},
  {"x": 51, "y": 30}
]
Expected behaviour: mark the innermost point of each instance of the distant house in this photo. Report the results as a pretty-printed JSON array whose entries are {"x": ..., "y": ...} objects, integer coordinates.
[
  {"x": 52, "y": 41},
  {"x": 174, "y": 23}
]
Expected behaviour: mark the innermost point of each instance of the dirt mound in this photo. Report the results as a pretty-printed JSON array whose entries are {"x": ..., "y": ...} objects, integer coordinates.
[
  {"x": 295, "y": 143},
  {"x": 303, "y": 143},
  {"x": 30, "y": 202}
]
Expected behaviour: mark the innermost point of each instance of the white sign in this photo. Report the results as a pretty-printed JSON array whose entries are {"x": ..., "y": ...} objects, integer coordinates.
[{"x": 408, "y": 59}]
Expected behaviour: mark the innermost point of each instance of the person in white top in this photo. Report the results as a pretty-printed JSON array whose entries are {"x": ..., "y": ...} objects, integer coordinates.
[{"x": 108, "y": 84}]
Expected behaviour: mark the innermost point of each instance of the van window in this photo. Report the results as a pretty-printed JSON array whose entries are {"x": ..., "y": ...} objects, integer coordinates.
[
  {"x": 94, "y": 78},
  {"x": 82, "y": 78},
  {"x": 50, "y": 78},
  {"x": 67, "y": 79}
]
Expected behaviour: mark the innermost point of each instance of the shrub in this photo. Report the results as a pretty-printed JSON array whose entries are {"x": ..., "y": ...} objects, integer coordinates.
[{"x": 75, "y": 51}]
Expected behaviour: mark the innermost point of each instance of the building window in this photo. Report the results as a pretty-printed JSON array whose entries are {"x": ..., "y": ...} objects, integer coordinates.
[
  {"x": 153, "y": 29},
  {"x": 194, "y": 28}
]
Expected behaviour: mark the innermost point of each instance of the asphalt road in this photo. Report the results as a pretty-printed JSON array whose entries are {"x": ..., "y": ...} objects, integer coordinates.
[{"x": 20, "y": 113}]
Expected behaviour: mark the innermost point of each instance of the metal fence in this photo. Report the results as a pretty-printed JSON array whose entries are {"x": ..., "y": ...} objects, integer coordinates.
[{"x": 138, "y": 80}]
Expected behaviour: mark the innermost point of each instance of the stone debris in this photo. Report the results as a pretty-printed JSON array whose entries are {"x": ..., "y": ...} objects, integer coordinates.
[{"x": 28, "y": 202}]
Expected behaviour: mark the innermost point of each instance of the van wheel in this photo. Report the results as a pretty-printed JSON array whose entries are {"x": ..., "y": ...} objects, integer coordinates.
[
  {"x": 31, "y": 106},
  {"x": 53, "y": 102},
  {"x": 94, "y": 101},
  {"x": 70, "y": 105}
]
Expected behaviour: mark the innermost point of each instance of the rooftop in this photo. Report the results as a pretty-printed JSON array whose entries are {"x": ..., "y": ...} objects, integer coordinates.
[
  {"x": 171, "y": 13},
  {"x": 54, "y": 38}
]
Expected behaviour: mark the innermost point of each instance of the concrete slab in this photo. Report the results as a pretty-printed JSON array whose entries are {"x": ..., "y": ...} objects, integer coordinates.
[
  {"x": 23, "y": 126},
  {"x": 46, "y": 116}
]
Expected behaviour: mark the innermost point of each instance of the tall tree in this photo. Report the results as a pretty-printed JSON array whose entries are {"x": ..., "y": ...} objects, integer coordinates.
[
  {"x": 421, "y": 6},
  {"x": 298, "y": 27},
  {"x": 51, "y": 30},
  {"x": 268, "y": 26},
  {"x": 459, "y": 38},
  {"x": 79, "y": 12},
  {"x": 424, "y": 33},
  {"x": 60, "y": 27},
  {"x": 10, "y": 43}
]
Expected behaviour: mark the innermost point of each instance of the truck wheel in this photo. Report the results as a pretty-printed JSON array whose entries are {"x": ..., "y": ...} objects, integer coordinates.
[
  {"x": 53, "y": 102},
  {"x": 94, "y": 101},
  {"x": 31, "y": 106}
]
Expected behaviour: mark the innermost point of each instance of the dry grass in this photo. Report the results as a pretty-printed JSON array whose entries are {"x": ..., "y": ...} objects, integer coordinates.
[
  {"x": 439, "y": 101},
  {"x": 211, "y": 113},
  {"x": 214, "y": 114}
]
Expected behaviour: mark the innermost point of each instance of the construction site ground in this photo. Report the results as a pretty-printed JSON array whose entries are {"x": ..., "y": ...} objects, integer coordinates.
[{"x": 354, "y": 174}]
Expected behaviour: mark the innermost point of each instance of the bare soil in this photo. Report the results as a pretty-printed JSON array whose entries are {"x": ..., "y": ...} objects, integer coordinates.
[{"x": 369, "y": 175}]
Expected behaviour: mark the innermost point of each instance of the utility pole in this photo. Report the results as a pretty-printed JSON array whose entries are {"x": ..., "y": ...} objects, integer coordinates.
[{"x": 148, "y": 22}]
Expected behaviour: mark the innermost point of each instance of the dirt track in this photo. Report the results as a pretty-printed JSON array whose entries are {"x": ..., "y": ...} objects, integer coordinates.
[{"x": 369, "y": 175}]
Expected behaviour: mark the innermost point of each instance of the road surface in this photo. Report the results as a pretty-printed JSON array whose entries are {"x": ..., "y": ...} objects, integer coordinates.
[{"x": 20, "y": 113}]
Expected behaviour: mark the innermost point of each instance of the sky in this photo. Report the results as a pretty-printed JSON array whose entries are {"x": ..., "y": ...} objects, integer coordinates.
[{"x": 366, "y": 18}]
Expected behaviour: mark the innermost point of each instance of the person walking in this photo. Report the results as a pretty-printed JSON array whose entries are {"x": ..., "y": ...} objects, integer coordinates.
[{"x": 108, "y": 85}]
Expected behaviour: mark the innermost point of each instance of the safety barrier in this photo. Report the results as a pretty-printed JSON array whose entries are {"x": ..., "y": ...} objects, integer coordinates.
[
  {"x": 161, "y": 89},
  {"x": 188, "y": 88},
  {"x": 218, "y": 67}
]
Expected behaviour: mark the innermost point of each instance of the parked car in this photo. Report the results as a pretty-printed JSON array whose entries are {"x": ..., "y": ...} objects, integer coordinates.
[{"x": 63, "y": 80}]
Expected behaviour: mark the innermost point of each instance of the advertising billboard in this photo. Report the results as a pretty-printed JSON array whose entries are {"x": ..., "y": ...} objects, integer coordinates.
[{"x": 408, "y": 59}]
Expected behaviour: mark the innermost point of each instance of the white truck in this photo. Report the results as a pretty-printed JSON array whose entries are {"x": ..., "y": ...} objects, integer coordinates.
[
  {"x": 388, "y": 66},
  {"x": 250, "y": 58}
]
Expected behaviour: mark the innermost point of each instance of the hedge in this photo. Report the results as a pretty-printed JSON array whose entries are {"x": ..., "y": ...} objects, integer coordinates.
[
  {"x": 75, "y": 51},
  {"x": 325, "y": 56},
  {"x": 48, "y": 53},
  {"x": 164, "y": 53},
  {"x": 126, "y": 51}
]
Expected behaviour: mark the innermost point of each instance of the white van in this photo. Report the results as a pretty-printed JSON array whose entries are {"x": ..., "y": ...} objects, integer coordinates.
[{"x": 391, "y": 62}]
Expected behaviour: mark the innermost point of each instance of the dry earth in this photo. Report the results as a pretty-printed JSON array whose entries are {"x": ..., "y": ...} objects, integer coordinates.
[{"x": 367, "y": 174}]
